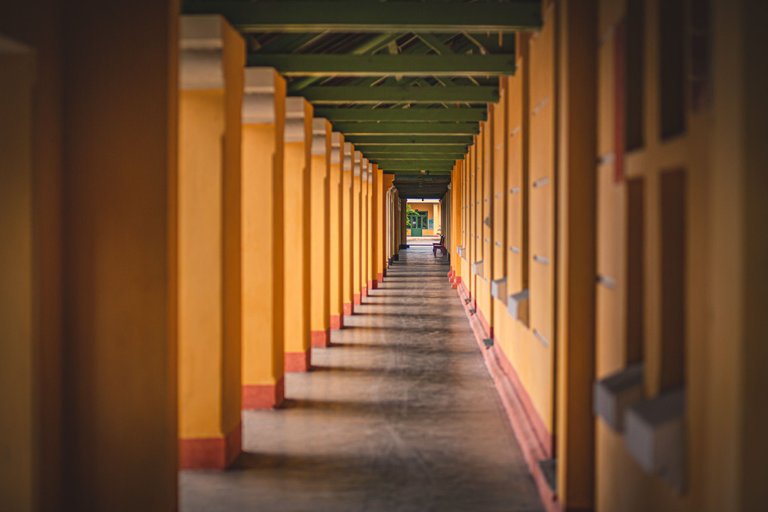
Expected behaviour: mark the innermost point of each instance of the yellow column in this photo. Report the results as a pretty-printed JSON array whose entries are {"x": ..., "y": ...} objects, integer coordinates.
[
  {"x": 357, "y": 169},
  {"x": 18, "y": 423},
  {"x": 380, "y": 255},
  {"x": 336, "y": 230},
  {"x": 389, "y": 208},
  {"x": 296, "y": 216},
  {"x": 364, "y": 229},
  {"x": 347, "y": 257},
  {"x": 320, "y": 233},
  {"x": 263, "y": 265},
  {"x": 209, "y": 242},
  {"x": 373, "y": 235}
]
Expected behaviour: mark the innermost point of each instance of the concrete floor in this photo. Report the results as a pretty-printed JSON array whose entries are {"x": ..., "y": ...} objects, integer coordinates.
[{"x": 400, "y": 415}]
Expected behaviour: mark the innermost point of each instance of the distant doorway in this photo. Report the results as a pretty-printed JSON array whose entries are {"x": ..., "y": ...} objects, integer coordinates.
[{"x": 419, "y": 221}]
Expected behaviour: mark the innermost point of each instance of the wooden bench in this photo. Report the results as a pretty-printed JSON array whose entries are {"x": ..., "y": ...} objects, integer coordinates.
[{"x": 441, "y": 246}]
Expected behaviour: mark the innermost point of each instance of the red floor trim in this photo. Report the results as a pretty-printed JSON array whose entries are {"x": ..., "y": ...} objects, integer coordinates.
[
  {"x": 212, "y": 452},
  {"x": 264, "y": 396},
  {"x": 356, "y": 299},
  {"x": 380, "y": 277},
  {"x": 513, "y": 398},
  {"x": 321, "y": 339},
  {"x": 298, "y": 362},
  {"x": 347, "y": 308}
]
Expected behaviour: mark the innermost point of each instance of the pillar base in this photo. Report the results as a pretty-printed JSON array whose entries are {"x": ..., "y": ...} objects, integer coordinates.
[
  {"x": 363, "y": 293},
  {"x": 263, "y": 396},
  {"x": 456, "y": 282},
  {"x": 373, "y": 284},
  {"x": 337, "y": 322},
  {"x": 298, "y": 362},
  {"x": 211, "y": 452},
  {"x": 321, "y": 339},
  {"x": 380, "y": 277},
  {"x": 356, "y": 299},
  {"x": 347, "y": 308}
]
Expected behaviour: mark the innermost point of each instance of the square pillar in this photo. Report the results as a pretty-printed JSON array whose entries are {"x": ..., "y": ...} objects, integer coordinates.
[
  {"x": 320, "y": 233},
  {"x": 364, "y": 212},
  {"x": 209, "y": 258},
  {"x": 347, "y": 250},
  {"x": 263, "y": 245},
  {"x": 380, "y": 255},
  {"x": 19, "y": 421},
  {"x": 296, "y": 216},
  {"x": 335, "y": 199},
  {"x": 357, "y": 170}
]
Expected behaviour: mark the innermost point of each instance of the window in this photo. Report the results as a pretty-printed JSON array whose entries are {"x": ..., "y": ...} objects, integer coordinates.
[
  {"x": 672, "y": 68},
  {"x": 635, "y": 271},
  {"x": 673, "y": 282}
]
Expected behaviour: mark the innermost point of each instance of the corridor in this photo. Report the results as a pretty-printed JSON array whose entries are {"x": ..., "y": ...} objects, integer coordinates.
[{"x": 398, "y": 414}]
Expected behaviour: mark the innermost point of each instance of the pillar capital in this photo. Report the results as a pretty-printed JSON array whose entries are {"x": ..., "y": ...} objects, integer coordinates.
[
  {"x": 201, "y": 41},
  {"x": 319, "y": 136},
  {"x": 296, "y": 112},
  {"x": 259, "y": 99}
]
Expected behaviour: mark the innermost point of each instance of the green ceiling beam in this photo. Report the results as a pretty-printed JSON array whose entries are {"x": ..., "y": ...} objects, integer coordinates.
[
  {"x": 415, "y": 164},
  {"x": 432, "y": 168},
  {"x": 399, "y": 94},
  {"x": 411, "y": 172},
  {"x": 403, "y": 114},
  {"x": 372, "y": 44},
  {"x": 410, "y": 156},
  {"x": 358, "y": 16},
  {"x": 404, "y": 149},
  {"x": 381, "y": 65},
  {"x": 407, "y": 128},
  {"x": 409, "y": 139}
]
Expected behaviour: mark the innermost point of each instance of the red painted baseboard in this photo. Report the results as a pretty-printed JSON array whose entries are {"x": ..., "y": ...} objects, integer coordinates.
[
  {"x": 487, "y": 328},
  {"x": 211, "y": 452},
  {"x": 373, "y": 284},
  {"x": 525, "y": 422},
  {"x": 347, "y": 308},
  {"x": 337, "y": 322},
  {"x": 321, "y": 339},
  {"x": 264, "y": 396},
  {"x": 380, "y": 277},
  {"x": 297, "y": 362},
  {"x": 364, "y": 292},
  {"x": 356, "y": 299},
  {"x": 456, "y": 282}
]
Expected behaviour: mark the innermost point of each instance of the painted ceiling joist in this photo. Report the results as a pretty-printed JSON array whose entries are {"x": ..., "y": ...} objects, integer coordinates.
[
  {"x": 383, "y": 65},
  {"x": 415, "y": 164},
  {"x": 362, "y": 16},
  {"x": 404, "y": 115},
  {"x": 399, "y": 94},
  {"x": 407, "y": 128},
  {"x": 385, "y": 139},
  {"x": 409, "y": 156},
  {"x": 407, "y": 149},
  {"x": 432, "y": 168}
]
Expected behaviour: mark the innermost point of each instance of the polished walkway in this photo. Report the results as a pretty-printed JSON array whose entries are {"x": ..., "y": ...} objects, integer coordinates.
[{"x": 400, "y": 415}]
